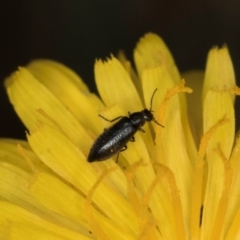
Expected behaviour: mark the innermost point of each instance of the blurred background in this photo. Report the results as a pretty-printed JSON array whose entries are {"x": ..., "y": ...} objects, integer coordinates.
[{"x": 77, "y": 32}]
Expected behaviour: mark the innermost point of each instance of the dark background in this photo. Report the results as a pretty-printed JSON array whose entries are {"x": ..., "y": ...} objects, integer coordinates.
[{"x": 76, "y": 32}]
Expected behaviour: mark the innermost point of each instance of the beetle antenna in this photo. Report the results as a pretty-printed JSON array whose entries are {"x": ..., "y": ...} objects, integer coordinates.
[
  {"x": 152, "y": 100},
  {"x": 157, "y": 122},
  {"x": 152, "y": 110}
]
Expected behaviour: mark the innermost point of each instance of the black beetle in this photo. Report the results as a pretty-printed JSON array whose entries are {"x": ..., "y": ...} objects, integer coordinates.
[{"x": 114, "y": 139}]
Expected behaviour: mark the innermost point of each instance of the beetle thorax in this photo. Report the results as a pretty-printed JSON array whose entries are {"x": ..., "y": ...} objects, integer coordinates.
[{"x": 138, "y": 119}]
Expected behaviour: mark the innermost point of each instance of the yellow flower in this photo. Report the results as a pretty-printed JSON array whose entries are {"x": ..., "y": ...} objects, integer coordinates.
[{"x": 177, "y": 182}]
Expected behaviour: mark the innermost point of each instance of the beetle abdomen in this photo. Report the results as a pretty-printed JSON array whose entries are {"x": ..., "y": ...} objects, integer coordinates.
[{"x": 112, "y": 140}]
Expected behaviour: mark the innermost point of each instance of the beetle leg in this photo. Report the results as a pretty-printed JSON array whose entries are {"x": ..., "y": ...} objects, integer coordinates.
[
  {"x": 142, "y": 130},
  {"x": 108, "y": 119},
  {"x": 117, "y": 157},
  {"x": 132, "y": 139},
  {"x": 129, "y": 114},
  {"x": 123, "y": 149}
]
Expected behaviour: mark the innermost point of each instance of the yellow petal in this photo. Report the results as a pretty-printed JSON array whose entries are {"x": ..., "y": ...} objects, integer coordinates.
[
  {"x": 194, "y": 80},
  {"x": 68, "y": 89},
  {"x": 234, "y": 200},
  {"x": 66, "y": 160},
  {"x": 128, "y": 67},
  {"x": 15, "y": 174},
  {"x": 158, "y": 77},
  {"x": 110, "y": 74},
  {"x": 72, "y": 205},
  {"x": 52, "y": 67},
  {"x": 152, "y": 78},
  {"x": 15, "y": 178},
  {"x": 10, "y": 175},
  {"x": 217, "y": 105},
  {"x": 33, "y": 103},
  {"x": 172, "y": 148},
  {"x": 150, "y": 51},
  {"x": 10, "y": 154},
  {"x": 17, "y": 223},
  {"x": 219, "y": 71}
]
